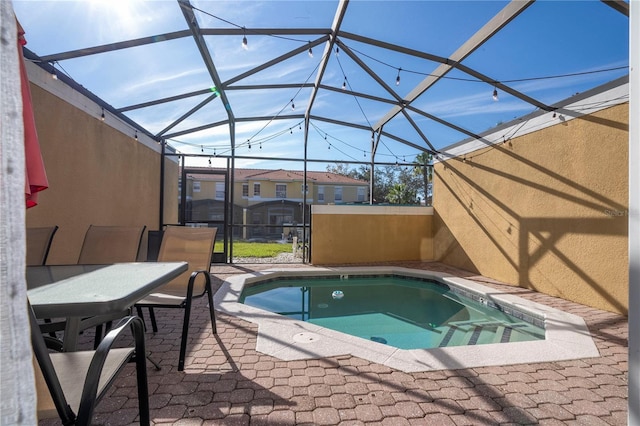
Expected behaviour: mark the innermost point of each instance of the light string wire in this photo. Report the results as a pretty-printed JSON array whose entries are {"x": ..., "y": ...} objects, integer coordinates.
[
  {"x": 475, "y": 80},
  {"x": 247, "y": 30}
]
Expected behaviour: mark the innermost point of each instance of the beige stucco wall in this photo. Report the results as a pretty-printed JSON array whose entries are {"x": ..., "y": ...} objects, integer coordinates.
[
  {"x": 546, "y": 211},
  {"x": 355, "y": 234},
  {"x": 97, "y": 175}
]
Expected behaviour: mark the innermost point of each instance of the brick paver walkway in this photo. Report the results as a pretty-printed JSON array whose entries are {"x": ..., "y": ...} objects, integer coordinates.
[{"x": 226, "y": 382}]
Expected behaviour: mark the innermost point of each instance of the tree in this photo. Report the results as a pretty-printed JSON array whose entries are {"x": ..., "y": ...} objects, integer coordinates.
[
  {"x": 400, "y": 193},
  {"x": 384, "y": 180},
  {"x": 424, "y": 169}
]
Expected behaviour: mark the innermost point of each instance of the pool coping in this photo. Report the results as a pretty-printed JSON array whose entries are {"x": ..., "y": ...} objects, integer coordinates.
[{"x": 566, "y": 335}]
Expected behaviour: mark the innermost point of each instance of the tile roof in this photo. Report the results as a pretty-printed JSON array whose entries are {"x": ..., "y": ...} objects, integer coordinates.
[{"x": 282, "y": 175}]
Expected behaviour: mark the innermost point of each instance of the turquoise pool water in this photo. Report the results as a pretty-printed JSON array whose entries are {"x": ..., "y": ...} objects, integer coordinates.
[{"x": 404, "y": 312}]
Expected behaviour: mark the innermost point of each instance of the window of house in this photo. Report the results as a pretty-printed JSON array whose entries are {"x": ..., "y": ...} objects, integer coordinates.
[
  {"x": 337, "y": 194},
  {"x": 219, "y": 190},
  {"x": 196, "y": 186},
  {"x": 361, "y": 192},
  {"x": 321, "y": 193},
  {"x": 245, "y": 190},
  {"x": 256, "y": 189},
  {"x": 281, "y": 190}
]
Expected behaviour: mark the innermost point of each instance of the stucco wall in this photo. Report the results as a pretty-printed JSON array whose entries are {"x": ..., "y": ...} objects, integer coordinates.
[
  {"x": 97, "y": 175},
  {"x": 354, "y": 234},
  {"x": 546, "y": 211}
]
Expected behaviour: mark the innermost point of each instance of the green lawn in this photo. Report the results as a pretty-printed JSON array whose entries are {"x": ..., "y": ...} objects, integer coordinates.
[{"x": 243, "y": 249}]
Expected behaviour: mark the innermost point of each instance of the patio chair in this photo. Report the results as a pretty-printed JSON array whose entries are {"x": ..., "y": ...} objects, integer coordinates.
[
  {"x": 70, "y": 384},
  {"x": 195, "y": 246},
  {"x": 111, "y": 244},
  {"x": 38, "y": 244}
]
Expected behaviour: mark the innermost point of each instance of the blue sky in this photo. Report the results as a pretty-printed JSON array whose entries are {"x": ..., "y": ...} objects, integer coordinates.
[{"x": 549, "y": 39}]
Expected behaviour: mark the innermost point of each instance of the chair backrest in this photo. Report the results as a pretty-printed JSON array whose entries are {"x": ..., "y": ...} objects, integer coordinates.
[
  {"x": 38, "y": 244},
  {"x": 111, "y": 244},
  {"x": 186, "y": 244}
]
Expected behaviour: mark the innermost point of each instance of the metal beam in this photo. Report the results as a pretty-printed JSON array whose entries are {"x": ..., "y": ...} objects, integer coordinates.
[
  {"x": 619, "y": 5},
  {"x": 328, "y": 48},
  {"x": 164, "y": 100},
  {"x": 189, "y": 16},
  {"x": 506, "y": 15},
  {"x": 417, "y": 128},
  {"x": 373, "y": 75},
  {"x": 187, "y": 114},
  {"x": 115, "y": 46}
]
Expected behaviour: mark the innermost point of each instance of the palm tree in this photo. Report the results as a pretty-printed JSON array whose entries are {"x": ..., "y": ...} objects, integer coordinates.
[
  {"x": 400, "y": 193},
  {"x": 424, "y": 168}
]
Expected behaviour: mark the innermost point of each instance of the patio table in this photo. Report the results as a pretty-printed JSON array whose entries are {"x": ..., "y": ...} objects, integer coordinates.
[{"x": 80, "y": 291}]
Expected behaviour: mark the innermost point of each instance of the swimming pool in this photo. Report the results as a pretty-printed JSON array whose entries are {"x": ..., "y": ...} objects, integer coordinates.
[
  {"x": 566, "y": 335},
  {"x": 404, "y": 312}
]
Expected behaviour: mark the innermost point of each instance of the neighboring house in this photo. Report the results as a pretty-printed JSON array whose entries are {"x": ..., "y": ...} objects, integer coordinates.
[{"x": 268, "y": 203}]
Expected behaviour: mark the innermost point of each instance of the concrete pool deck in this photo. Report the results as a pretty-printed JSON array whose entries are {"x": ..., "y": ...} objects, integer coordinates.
[
  {"x": 567, "y": 336},
  {"x": 227, "y": 381}
]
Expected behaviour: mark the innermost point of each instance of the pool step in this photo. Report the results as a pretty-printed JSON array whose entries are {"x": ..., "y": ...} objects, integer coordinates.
[{"x": 478, "y": 332}]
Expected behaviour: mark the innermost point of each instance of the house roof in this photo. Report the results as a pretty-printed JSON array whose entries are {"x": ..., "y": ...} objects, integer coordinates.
[{"x": 281, "y": 175}]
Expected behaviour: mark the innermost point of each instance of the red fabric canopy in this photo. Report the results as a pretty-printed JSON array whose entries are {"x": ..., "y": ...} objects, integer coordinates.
[{"x": 35, "y": 174}]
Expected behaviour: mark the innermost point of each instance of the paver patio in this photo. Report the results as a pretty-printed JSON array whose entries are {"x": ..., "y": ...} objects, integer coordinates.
[{"x": 227, "y": 382}]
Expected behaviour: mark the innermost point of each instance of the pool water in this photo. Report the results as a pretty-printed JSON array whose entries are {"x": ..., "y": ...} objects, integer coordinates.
[{"x": 404, "y": 312}]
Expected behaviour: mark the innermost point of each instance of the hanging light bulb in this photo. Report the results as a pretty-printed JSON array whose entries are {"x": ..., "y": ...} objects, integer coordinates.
[
  {"x": 344, "y": 83},
  {"x": 214, "y": 152},
  {"x": 293, "y": 106},
  {"x": 209, "y": 160},
  {"x": 135, "y": 136},
  {"x": 102, "y": 115},
  {"x": 398, "y": 77},
  {"x": 244, "y": 40},
  {"x": 260, "y": 145},
  {"x": 201, "y": 148},
  {"x": 291, "y": 130},
  {"x": 495, "y": 94},
  {"x": 249, "y": 143},
  {"x": 310, "y": 51},
  {"x": 337, "y": 51}
]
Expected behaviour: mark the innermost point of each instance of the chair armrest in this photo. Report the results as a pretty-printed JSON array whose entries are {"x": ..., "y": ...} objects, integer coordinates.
[
  {"x": 192, "y": 280},
  {"x": 99, "y": 358}
]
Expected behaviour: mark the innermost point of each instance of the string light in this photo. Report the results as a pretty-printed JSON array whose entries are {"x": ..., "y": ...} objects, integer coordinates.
[
  {"x": 337, "y": 51},
  {"x": 249, "y": 142},
  {"x": 260, "y": 144},
  {"x": 201, "y": 148},
  {"x": 135, "y": 136},
  {"x": 310, "y": 51},
  {"x": 344, "y": 83},
  {"x": 398, "y": 77},
  {"x": 209, "y": 161},
  {"x": 495, "y": 94},
  {"x": 102, "y": 115},
  {"x": 293, "y": 106},
  {"x": 244, "y": 39}
]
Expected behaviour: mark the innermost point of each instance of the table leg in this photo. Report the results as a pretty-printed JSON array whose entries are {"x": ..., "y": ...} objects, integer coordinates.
[{"x": 71, "y": 331}]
